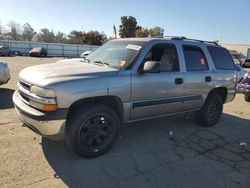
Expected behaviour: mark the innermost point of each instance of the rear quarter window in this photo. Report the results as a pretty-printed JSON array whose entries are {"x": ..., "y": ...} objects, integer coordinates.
[{"x": 221, "y": 58}]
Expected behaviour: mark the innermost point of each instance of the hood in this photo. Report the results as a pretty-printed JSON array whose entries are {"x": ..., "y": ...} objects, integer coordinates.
[{"x": 65, "y": 70}]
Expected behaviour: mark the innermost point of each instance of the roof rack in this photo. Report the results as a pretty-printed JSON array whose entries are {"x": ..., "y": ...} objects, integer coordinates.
[{"x": 188, "y": 39}]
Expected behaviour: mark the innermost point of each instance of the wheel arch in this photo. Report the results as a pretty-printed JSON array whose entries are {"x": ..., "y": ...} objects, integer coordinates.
[
  {"x": 111, "y": 101},
  {"x": 222, "y": 91}
]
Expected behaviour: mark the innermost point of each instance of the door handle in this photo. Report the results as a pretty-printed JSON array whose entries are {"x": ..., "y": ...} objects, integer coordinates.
[
  {"x": 178, "y": 81},
  {"x": 208, "y": 78}
]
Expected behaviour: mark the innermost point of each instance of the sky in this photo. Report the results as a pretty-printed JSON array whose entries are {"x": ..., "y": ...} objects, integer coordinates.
[{"x": 224, "y": 20}]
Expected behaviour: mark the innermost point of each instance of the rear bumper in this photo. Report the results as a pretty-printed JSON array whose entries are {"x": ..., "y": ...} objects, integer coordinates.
[{"x": 50, "y": 124}]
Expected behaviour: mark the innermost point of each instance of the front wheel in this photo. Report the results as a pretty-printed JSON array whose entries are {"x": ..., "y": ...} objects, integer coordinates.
[
  {"x": 247, "y": 98},
  {"x": 91, "y": 131},
  {"x": 211, "y": 111}
]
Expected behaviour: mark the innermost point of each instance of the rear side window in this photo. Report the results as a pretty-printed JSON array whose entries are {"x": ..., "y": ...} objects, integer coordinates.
[
  {"x": 195, "y": 59},
  {"x": 221, "y": 58}
]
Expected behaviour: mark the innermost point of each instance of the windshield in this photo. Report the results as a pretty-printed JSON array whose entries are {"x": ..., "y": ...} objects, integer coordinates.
[{"x": 117, "y": 54}]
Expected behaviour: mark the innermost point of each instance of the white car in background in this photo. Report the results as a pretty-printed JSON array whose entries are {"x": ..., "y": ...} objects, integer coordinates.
[
  {"x": 4, "y": 73},
  {"x": 85, "y": 54}
]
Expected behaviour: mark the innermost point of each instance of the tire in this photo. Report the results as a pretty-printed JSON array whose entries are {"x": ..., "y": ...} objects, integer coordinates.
[
  {"x": 211, "y": 111},
  {"x": 91, "y": 131},
  {"x": 247, "y": 98}
]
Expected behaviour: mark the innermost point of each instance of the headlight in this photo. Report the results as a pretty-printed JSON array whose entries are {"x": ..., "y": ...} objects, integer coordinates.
[{"x": 42, "y": 92}]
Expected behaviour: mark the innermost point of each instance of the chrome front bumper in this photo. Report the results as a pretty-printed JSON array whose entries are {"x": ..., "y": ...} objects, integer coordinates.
[{"x": 50, "y": 126}]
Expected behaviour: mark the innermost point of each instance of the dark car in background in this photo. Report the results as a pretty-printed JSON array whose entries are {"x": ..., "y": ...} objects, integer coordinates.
[
  {"x": 5, "y": 51},
  {"x": 38, "y": 52},
  {"x": 246, "y": 63},
  {"x": 244, "y": 86},
  {"x": 240, "y": 72}
]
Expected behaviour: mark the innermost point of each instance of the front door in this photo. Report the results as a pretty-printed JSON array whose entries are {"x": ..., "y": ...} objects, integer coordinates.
[{"x": 156, "y": 94}]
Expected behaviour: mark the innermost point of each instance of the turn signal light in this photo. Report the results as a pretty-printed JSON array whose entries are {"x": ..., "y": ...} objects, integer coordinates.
[{"x": 49, "y": 107}]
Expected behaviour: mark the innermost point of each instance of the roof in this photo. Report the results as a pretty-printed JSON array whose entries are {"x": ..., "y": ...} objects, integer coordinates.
[{"x": 180, "y": 38}]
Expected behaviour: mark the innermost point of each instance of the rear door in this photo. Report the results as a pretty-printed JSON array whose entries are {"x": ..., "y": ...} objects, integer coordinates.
[{"x": 198, "y": 78}]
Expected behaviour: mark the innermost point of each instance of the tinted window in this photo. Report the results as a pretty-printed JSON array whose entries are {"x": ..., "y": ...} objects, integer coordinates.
[
  {"x": 195, "y": 59},
  {"x": 221, "y": 58}
]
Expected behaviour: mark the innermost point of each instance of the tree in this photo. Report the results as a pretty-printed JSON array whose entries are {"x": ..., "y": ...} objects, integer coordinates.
[
  {"x": 144, "y": 32},
  {"x": 128, "y": 26},
  {"x": 28, "y": 32},
  {"x": 1, "y": 30},
  {"x": 75, "y": 37},
  {"x": 45, "y": 35},
  {"x": 94, "y": 38},
  {"x": 15, "y": 30},
  {"x": 140, "y": 33},
  {"x": 60, "y": 37},
  {"x": 154, "y": 32}
]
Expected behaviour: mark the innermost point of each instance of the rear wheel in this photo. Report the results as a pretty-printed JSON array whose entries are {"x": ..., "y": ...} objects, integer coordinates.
[
  {"x": 210, "y": 113},
  {"x": 91, "y": 131},
  {"x": 247, "y": 98}
]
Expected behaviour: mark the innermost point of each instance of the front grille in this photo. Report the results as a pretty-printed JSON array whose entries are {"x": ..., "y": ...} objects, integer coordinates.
[
  {"x": 25, "y": 85},
  {"x": 24, "y": 97}
]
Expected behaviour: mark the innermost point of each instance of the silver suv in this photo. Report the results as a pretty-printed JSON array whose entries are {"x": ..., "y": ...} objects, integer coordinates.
[{"x": 85, "y": 101}]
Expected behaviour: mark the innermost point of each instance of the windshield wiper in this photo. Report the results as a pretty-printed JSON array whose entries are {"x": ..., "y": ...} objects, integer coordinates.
[
  {"x": 100, "y": 62},
  {"x": 84, "y": 59},
  {"x": 104, "y": 64}
]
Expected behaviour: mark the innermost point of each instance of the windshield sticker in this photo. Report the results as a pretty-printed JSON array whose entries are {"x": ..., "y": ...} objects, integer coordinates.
[
  {"x": 133, "y": 47},
  {"x": 121, "y": 63}
]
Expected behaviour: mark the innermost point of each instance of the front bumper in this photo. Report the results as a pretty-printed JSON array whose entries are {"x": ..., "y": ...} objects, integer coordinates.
[
  {"x": 49, "y": 124},
  {"x": 4, "y": 76}
]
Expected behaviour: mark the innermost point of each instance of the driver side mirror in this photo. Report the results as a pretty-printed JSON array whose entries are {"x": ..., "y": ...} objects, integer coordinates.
[{"x": 151, "y": 67}]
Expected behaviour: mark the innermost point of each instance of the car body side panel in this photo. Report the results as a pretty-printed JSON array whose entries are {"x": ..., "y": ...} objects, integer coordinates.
[{"x": 121, "y": 87}]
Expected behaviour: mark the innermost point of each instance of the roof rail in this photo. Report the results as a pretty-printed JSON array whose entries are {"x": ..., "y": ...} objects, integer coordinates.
[
  {"x": 189, "y": 39},
  {"x": 204, "y": 41},
  {"x": 175, "y": 37}
]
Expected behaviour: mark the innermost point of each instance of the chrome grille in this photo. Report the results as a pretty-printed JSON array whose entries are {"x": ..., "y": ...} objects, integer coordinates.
[
  {"x": 24, "y": 97},
  {"x": 25, "y": 85}
]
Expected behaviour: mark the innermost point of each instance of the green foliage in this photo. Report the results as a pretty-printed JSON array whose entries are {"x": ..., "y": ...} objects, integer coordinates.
[
  {"x": 128, "y": 27},
  {"x": 15, "y": 31},
  {"x": 28, "y": 32},
  {"x": 94, "y": 38},
  {"x": 75, "y": 37},
  {"x": 144, "y": 32},
  {"x": 154, "y": 32},
  {"x": 45, "y": 35},
  {"x": 140, "y": 33},
  {"x": 90, "y": 38}
]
